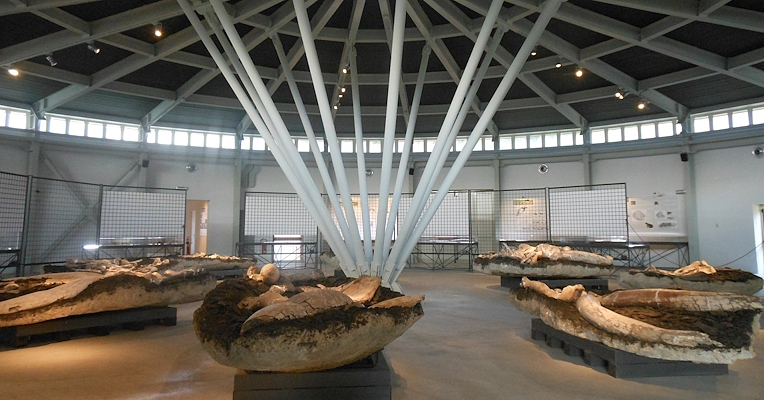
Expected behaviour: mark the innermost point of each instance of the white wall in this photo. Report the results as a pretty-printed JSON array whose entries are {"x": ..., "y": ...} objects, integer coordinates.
[
  {"x": 478, "y": 177},
  {"x": 527, "y": 176},
  {"x": 89, "y": 165},
  {"x": 649, "y": 180},
  {"x": 211, "y": 181},
  {"x": 13, "y": 157},
  {"x": 729, "y": 184}
]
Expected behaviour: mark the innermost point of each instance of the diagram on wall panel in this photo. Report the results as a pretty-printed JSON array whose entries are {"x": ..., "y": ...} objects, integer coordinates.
[{"x": 660, "y": 214}]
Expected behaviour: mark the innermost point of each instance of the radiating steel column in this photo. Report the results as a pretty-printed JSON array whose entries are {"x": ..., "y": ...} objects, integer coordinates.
[
  {"x": 328, "y": 122},
  {"x": 406, "y": 152},
  {"x": 421, "y": 194},
  {"x": 365, "y": 215},
  {"x": 391, "y": 115},
  {"x": 548, "y": 10},
  {"x": 332, "y": 235},
  {"x": 308, "y": 126}
]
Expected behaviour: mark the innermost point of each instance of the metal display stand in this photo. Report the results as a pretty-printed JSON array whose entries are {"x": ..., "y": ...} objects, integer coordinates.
[
  {"x": 619, "y": 364},
  {"x": 368, "y": 379},
  {"x": 285, "y": 254},
  {"x": 10, "y": 258},
  {"x": 438, "y": 253},
  {"x": 97, "y": 323}
]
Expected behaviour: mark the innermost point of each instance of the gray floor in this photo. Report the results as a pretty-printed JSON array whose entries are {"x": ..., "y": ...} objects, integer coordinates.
[{"x": 471, "y": 344}]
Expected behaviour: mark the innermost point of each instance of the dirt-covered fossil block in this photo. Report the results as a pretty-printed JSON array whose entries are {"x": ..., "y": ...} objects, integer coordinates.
[
  {"x": 696, "y": 276},
  {"x": 323, "y": 324}
]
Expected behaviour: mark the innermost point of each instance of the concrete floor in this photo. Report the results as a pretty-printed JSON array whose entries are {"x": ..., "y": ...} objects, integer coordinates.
[{"x": 471, "y": 344}]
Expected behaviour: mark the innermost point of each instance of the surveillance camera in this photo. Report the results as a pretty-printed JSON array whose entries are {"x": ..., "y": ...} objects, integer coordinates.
[
  {"x": 758, "y": 151},
  {"x": 191, "y": 167},
  {"x": 543, "y": 169}
]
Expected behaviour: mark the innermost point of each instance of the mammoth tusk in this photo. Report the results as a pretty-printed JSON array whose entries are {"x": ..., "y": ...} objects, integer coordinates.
[
  {"x": 590, "y": 308},
  {"x": 682, "y": 299}
]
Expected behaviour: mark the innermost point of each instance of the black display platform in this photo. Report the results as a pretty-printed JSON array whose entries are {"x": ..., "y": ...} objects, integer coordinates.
[
  {"x": 228, "y": 273},
  {"x": 98, "y": 323},
  {"x": 368, "y": 379},
  {"x": 589, "y": 283},
  {"x": 619, "y": 364}
]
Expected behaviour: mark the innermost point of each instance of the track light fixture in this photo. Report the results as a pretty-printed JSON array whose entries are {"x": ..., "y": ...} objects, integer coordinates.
[
  {"x": 620, "y": 94},
  {"x": 12, "y": 71},
  {"x": 51, "y": 60},
  {"x": 158, "y": 29},
  {"x": 92, "y": 47},
  {"x": 643, "y": 105},
  {"x": 579, "y": 72},
  {"x": 534, "y": 51},
  {"x": 342, "y": 89}
]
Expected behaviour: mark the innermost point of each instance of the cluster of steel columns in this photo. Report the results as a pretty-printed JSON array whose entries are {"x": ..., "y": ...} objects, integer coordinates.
[{"x": 355, "y": 255}]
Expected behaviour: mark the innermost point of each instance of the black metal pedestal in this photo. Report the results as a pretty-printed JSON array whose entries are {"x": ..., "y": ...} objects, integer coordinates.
[
  {"x": 619, "y": 364},
  {"x": 98, "y": 323},
  {"x": 589, "y": 283},
  {"x": 365, "y": 379}
]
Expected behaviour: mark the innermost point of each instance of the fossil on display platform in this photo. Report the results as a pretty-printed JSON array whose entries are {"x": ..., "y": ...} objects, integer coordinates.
[
  {"x": 264, "y": 322},
  {"x": 97, "y": 286},
  {"x": 544, "y": 261},
  {"x": 702, "y": 327},
  {"x": 696, "y": 276},
  {"x": 215, "y": 261}
]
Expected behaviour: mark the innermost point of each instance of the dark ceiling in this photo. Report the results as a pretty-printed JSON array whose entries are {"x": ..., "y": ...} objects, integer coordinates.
[{"x": 681, "y": 56}]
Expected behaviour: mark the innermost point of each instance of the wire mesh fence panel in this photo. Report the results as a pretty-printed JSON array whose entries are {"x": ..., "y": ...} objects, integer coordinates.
[
  {"x": 279, "y": 229},
  {"x": 522, "y": 215},
  {"x": 13, "y": 194},
  {"x": 373, "y": 200},
  {"x": 274, "y": 214},
  {"x": 483, "y": 219},
  {"x": 63, "y": 219},
  {"x": 141, "y": 222},
  {"x": 588, "y": 213}
]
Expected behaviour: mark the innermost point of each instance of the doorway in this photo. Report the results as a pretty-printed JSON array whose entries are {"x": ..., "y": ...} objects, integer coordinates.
[{"x": 197, "y": 212}]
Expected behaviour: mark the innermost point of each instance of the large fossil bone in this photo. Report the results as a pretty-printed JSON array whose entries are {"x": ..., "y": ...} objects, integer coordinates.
[
  {"x": 697, "y": 276},
  {"x": 544, "y": 260}
]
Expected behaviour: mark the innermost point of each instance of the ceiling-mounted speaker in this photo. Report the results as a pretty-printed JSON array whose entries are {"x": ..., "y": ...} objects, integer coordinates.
[
  {"x": 758, "y": 151},
  {"x": 191, "y": 168},
  {"x": 145, "y": 163},
  {"x": 684, "y": 157},
  {"x": 543, "y": 169}
]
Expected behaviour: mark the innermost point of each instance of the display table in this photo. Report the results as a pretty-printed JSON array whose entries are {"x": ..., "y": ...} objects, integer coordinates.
[
  {"x": 98, "y": 323},
  {"x": 368, "y": 379},
  {"x": 588, "y": 283},
  {"x": 619, "y": 364}
]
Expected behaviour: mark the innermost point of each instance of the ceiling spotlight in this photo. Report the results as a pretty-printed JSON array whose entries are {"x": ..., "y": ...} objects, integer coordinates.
[
  {"x": 558, "y": 65},
  {"x": 534, "y": 51},
  {"x": 579, "y": 72},
  {"x": 619, "y": 94},
  {"x": 158, "y": 29},
  {"x": 12, "y": 71},
  {"x": 51, "y": 60},
  {"x": 336, "y": 106},
  {"x": 340, "y": 95},
  {"x": 92, "y": 47},
  {"x": 342, "y": 89},
  {"x": 642, "y": 105},
  {"x": 345, "y": 70}
]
